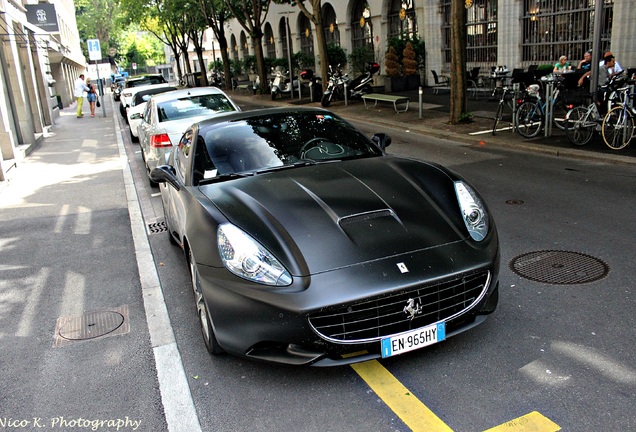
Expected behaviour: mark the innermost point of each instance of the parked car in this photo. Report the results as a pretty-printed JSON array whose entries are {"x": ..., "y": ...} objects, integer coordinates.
[
  {"x": 117, "y": 85},
  {"x": 308, "y": 244},
  {"x": 136, "y": 81},
  {"x": 138, "y": 101},
  {"x": 168, "y": 115}
]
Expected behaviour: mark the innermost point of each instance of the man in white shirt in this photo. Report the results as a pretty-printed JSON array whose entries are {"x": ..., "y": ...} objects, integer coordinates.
[
  {"x": 617, "y": 67},
  {"x": 78, "y": 93}
]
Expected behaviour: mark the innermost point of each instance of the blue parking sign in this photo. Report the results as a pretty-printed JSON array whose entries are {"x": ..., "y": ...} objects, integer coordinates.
[{"x": 94, "y": 51}]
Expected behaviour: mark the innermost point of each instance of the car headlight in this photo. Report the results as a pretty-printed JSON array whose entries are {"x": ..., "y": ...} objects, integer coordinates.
[
  {"x": 473, "y": 211},
  {"x": 244, "y": 257}
]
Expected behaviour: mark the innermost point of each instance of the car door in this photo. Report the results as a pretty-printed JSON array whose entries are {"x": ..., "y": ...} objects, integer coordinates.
[
  {"x": 178, "y": 200},
  {"x": 144, "y": 127}
]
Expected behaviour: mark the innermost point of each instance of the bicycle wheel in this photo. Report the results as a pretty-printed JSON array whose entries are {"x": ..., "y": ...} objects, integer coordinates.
[
  {"x": 559, "y": 111},
  {"x": 498, "y": 117},
  {"x": 528, "y": 119},
  {"x": 618, "y": 128},
  {"x": 577, "y": 128}
]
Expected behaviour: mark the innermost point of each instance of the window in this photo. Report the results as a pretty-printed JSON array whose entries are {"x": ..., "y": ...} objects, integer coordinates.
[
  {"x": 270, "y": 47},
  {"x": 402, "y": 19},
  {"x": 282, "y": 31},
  {"x": 306, "y": 37},
  {"x": 361, "y": 30},
  {"x": 481, "y": 32},
  {"x": 562, "y": 27},
  {"x": 332, "y": 34}
]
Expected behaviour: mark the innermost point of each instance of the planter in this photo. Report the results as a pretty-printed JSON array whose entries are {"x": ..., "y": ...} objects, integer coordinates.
[{"x": 402, "y": 83}]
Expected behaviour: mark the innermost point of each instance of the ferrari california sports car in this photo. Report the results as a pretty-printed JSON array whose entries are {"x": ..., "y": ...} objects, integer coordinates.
[{"x": 308, "y": 244}]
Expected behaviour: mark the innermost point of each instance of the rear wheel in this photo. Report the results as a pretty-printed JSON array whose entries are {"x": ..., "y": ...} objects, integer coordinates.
[
  {"x": 207, "y": 331},
  {"x": 528, "y": 119},
  {"x": 577, "y": 127},
  {"x": 559, "y": 112},
  {"x": 618, "y": 128}
]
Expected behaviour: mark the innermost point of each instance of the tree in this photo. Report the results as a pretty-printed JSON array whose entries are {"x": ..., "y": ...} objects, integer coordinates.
[
  {"x": 99, "y": 19},
  {"x": 458, "y": 62},
  {"x": 251, "y": 14},
  {"x": 217, "y": 13}
]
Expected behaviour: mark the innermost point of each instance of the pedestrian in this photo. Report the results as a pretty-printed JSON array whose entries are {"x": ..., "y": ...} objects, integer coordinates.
[
  {"x": 617, "y": 67},
  {"x": 78, "y": 93},
  {"x": 562, "y": 65},
  {"x": 91, "y": 96}
]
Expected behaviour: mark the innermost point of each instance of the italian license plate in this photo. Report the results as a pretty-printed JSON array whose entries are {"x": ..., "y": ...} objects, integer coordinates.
[{"x": 413, "y": 339}]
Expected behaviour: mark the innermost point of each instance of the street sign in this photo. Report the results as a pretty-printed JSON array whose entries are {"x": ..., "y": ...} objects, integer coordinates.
[
  {"x": 94, "y": 51},
  {"x": 134, "y": 65}
]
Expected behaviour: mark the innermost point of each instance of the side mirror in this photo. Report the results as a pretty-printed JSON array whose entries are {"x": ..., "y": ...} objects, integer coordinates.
[
  {"x": 136, "y": 116},
  {"x": 382, "y": 140},
  {"x": 165, "y": 174}
]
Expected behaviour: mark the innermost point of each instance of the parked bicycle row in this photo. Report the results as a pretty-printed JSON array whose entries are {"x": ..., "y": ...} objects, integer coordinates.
[{"x": 557, "y": 102}]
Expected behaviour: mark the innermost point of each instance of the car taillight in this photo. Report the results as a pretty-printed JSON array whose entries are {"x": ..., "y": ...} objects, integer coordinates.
[{"x": 160, "y": 140}]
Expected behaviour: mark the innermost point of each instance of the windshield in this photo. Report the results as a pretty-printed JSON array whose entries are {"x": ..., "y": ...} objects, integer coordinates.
[
  {"x": 193, "y": 106},
  {"x": 283, "y": 139}
]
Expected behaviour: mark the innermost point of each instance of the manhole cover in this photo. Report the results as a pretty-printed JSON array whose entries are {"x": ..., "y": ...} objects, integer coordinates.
[
  {"x": 559, "y": 267},
  {"x": 157, "y": 227},
  {"x": 91, "y": 325}
]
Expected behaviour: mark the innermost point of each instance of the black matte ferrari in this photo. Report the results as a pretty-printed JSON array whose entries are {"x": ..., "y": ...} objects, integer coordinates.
[{"x": 308, "y": 244}]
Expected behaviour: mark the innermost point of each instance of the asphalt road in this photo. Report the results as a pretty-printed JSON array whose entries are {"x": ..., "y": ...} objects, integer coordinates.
[{"x": 563, "y": 351}]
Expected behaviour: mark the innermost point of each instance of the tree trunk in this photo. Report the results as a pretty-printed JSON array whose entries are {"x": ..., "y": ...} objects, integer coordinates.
[
  {"x": 458, "y": 61},
  {"x": 204, "y": 74}
]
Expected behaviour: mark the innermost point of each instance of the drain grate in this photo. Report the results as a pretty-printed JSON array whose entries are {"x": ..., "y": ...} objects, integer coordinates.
[
  {"x": 91, "y": 325},
  {"x": 559, "y": 267},
  {"x": 157, "y": 227}
]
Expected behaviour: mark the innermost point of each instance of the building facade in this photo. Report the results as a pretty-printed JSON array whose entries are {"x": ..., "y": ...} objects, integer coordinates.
[
  {"x": 514, "y": 33},
  {"x": 40, "y": 57}
]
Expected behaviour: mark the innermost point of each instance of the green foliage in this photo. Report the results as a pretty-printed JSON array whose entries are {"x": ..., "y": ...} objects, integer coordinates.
[
  {"x": 409, "y": 64},
  {"x": 359, "y": 58},
  {"x": 465, "y": 118},
  {"x": 249, "y": 62},
  {"x": 337, "y": 55},
  {"x": 236, "y": 66},
  {"x": 216, "y": 64},
  {"x": 391, "y": 63},
  {"x": 300, "y": 60},
  {"x": 544, "y": 67}
]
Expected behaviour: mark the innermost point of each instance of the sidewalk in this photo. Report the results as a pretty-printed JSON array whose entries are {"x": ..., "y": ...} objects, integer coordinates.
[
  {"x": 434, "y": 122},
  {"x": 84, "y": 333}
]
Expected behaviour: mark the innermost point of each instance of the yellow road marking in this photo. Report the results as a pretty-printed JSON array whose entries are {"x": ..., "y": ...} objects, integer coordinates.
[
  {"x": 407, "y": 407},
  {"x": 532, "y": 422}
]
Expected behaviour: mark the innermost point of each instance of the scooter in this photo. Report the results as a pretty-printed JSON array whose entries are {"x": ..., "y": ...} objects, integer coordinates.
[
  {"x": 282, "y": 84},
  {"x": 364, "y": 83},
  {"x": 315, "y": 84}
]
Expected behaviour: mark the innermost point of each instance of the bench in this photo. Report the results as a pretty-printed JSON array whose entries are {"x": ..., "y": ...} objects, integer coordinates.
[{"x": 381, "y": 97}]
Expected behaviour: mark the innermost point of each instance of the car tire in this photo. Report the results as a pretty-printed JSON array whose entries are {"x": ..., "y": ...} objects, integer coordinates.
[
  {"x": 133, "y": 138},
  {"x": 207, "y": 331},
  {"x": 122, "y": 110}
]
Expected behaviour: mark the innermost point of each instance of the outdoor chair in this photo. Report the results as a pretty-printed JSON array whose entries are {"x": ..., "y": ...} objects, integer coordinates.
[{"x": 442, "y": 82}]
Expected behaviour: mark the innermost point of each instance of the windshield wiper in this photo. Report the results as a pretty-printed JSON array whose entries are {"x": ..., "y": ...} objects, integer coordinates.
[
  {"x": 301, "y": 163},
  {"x": 224, "y": 177}
]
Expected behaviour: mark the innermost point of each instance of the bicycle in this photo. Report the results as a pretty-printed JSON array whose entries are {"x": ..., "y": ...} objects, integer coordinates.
[
  {"x": 618, "y": 123},
  {"x": 507, "y": 100},
  {"x": 530, "y": 116},
  {"x": 583, "y": 121}
]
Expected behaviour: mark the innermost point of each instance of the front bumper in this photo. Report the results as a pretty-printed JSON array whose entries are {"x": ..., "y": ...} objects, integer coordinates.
[{"x": 281, "y": 325}]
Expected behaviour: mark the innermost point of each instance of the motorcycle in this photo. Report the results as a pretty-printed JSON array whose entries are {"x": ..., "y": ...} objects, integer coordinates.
[
  {"x": 355, "y": 88},
  {"x": 335, "y": 86},
  {"x": 315, "y": 84},
  {"x": 282, "y": 84}
]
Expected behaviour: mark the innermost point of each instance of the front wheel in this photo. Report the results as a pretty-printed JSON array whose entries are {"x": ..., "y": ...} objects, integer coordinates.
[
  {"x": 498, "y": 117},
  {"x": 528, "y": 119},
  {"x": 326, "y": 100},
  {"x": 577, "y": 127},
  {"x": 559, "y": 112},
  {"x": 207, "y": 331},
  {"x": 618, "y": 128},
  {"x": 274, "y": 94}
]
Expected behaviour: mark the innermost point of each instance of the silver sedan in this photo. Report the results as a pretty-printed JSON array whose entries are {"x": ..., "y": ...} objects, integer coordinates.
[{"x": 168, "y": 115}]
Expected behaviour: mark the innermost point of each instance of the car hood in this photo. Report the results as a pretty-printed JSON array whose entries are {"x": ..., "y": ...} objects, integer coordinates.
[{"x": 319, "y": 218}]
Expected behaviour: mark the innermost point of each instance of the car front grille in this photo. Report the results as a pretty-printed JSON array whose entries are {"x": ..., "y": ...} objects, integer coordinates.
[{"x": 375, "y": 318}]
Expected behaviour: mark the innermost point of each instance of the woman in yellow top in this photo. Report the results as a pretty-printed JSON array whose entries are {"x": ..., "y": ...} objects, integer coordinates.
[{"x": 562, "y": 65}]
